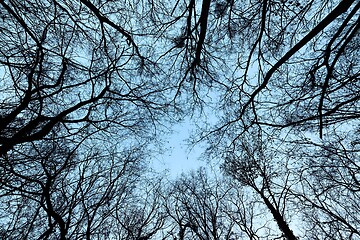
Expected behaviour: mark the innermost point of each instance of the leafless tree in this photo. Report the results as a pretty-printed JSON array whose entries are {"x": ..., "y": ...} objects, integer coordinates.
[
  {"x": 328, "y": 174},
  {"x": 291, "y": 86},
  {"x": 86, "y": 86},
  {"x": 76, "y": 116},
  {"x": 53, "y": 191},
  {"x": 195, "y": 204},
  {"x": 256, "y": 167},
  {"x": 67, "y": 65},
  {"x": 140, "y": 216}
]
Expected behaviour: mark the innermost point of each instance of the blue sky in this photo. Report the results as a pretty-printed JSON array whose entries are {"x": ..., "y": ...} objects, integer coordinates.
[{"x": 178, "y": 157}]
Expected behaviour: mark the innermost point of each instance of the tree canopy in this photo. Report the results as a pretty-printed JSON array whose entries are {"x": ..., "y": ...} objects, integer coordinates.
[{"x": 89, "y": 89}]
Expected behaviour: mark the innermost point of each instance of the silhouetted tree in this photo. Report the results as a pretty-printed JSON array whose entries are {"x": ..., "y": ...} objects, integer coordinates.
[
  {"x": 328, "y": 174},
  {"x": 195, "y": 204},
  {"x": 66, "y": 65},
  {"x": 53, "y": 191},
  {"x": 256, "y": 167},
  {"x": 76, "y": 116},
  {"x": 140, "y": 216},
  {"x": 290, "y": 79},
  {"x": 86, "y": 87}
]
